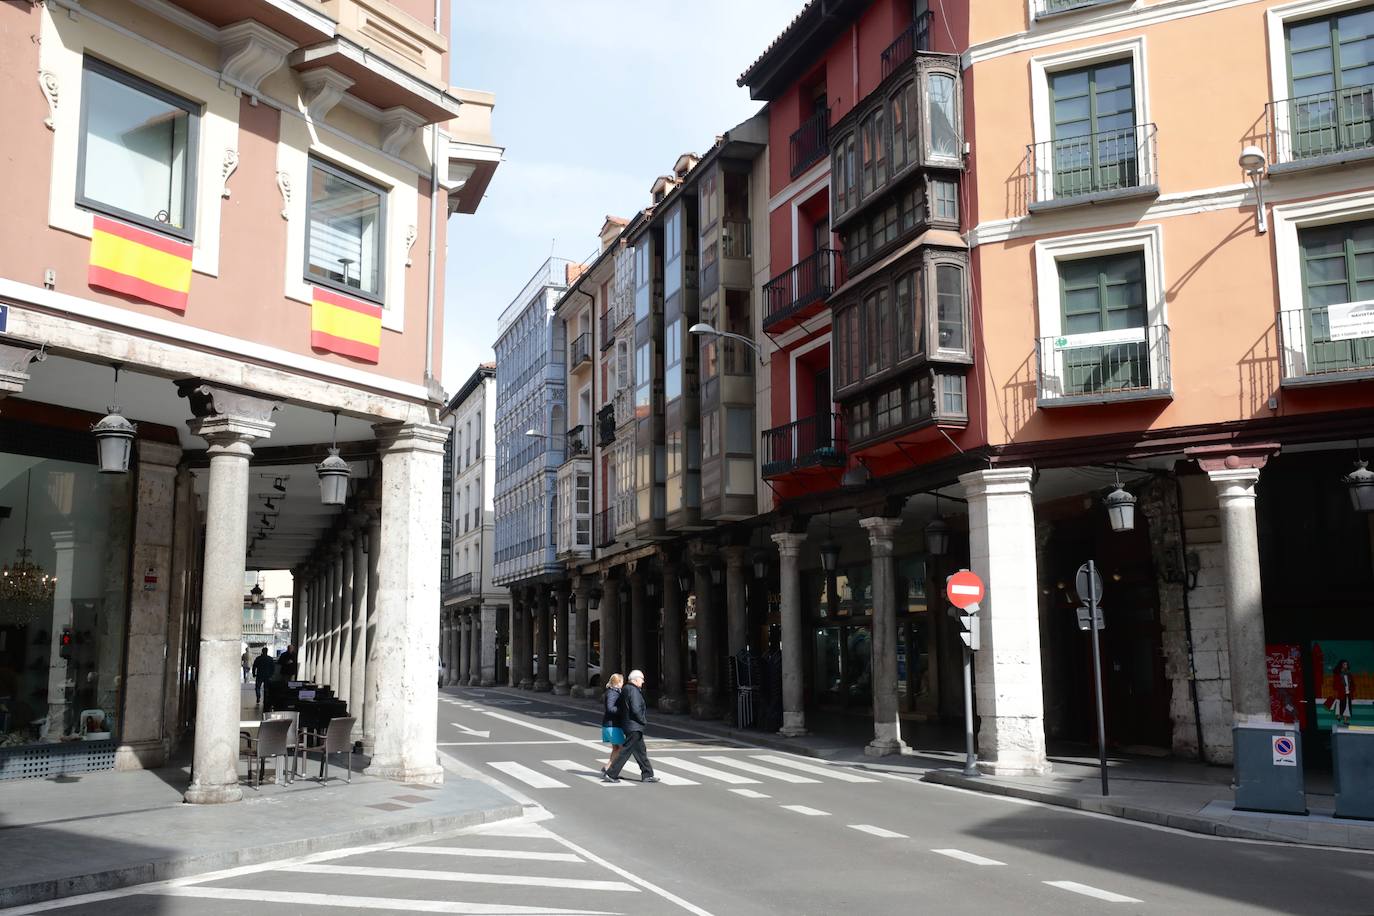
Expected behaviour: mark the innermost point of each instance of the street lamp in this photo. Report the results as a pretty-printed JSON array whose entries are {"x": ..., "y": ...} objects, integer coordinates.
[
  {"x": 114, "y": 435},
  {"x": 937, "y": 537},
  {"x": 760, "y": 563},
  {"x": 1121, "y": 509},
  {"x": 333, "y": 473},
  {"x": 1253, "y": 161},
  {"x": 684, "y": 579},
  {"x": 717, "y": 574},
  {"x": 705, "y": 329},
  {"x": 1360, "y": 482},
  {"x": 594, "y": 598},
  {"x": 830, "y": 557}
]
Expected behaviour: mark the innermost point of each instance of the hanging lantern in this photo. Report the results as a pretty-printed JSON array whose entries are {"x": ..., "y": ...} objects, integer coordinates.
[
  {"x": 684, "y": 579},
  {"x": 650, "y": 586},
  {"x": 717, "y": 574},
  {"x": 830, "y": 557},
  {"x": 333, "y": 473},
  {"x": 256, "y": 594},
  {"x": 760, "y": 564},
  {"x": 937, "y": 537},
  {"x": 114, "y": 436},
  {"x": 1121, "y": 509},
  {"x": 594, "y": 599},
  {"x": 1361, "y": 485}
]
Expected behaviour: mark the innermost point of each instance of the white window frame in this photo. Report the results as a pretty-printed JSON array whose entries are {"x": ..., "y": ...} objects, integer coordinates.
[
  {"x": 1042, "y": 116},
  {"x": 1149, "y": 240},
  {"x": 1276, "y": 20},
  {"x": 1287, "y": 221}
]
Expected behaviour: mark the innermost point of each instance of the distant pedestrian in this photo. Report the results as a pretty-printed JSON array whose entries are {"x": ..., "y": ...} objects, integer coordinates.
[
  {"x": 287, "y": 664},
  {"x": 611, "y": 732},
  {"x": 634, "y": 718},
  {"x": 263, "y": 666},
  {"x": 1344, "y": 691},
  {"x": 244, "y": 662}
]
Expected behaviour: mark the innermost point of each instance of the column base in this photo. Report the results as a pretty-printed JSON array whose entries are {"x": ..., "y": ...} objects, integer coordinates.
[
  {"x": 400, "y": 771},
  {"x": 581, "y": 692},
  {"x": 474, "y": 681},
  {"x": 997, "y": 768},
  {"x": 884, "y": 747},
  {"x": 793, "y": 724},
  {"x": 141, "y": 755},
  {"x": 526, "y": 683},
  {"x": 487, "y": 682},
  {"x": 672, "y": 705},
  {"x": 561, "y": 690},
  {"x": 212, "y": 795},
  {"x": 542, "y": 686},
  {"x": 705, "y": 711}
]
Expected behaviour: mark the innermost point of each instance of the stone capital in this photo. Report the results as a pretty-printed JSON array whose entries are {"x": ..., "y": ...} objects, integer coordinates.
[
  {"x": 15, "y": 357},
  {"x": 393, "y": 438},
  {"x": 230, "y": 434},
  {"x": 736, "y": 557},
  {"x": 881, "y": 532},
  {"x": 211, "y": 399},
  {"x": 789, "y": 543},
  {"x": 1234, "y": 483},
  {"x": 998, "y": 481},
  {"x": 1232, "y": 457}
]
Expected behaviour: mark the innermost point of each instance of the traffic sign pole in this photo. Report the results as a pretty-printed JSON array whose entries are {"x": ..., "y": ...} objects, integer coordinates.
[
  {"x": 970, "y": 753},
  {"x": 1093, "y": 597},
  {"x": 965, "y": 591}
]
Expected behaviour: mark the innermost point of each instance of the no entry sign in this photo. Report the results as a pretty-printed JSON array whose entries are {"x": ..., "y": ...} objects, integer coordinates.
[{"x": 964, "y": 588}]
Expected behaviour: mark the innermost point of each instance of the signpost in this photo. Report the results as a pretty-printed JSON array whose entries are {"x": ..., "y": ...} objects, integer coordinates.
[
  {"x": 965, "y": 591},
  {"x": 1089, "y": 586}
]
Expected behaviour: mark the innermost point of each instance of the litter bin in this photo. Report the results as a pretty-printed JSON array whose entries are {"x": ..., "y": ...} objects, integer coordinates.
[
  {"x": 1268, "y": 768},
  {"x": 1352, "y": 759}
]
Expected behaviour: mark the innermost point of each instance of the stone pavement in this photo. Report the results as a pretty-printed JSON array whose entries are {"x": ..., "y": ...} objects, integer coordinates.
[
  {"x": 1182, "y": 794},
  {"x": 97, "y": 831}
]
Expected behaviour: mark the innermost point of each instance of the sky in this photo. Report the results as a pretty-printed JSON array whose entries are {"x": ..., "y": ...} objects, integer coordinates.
[{"x": 594, "y": 100}]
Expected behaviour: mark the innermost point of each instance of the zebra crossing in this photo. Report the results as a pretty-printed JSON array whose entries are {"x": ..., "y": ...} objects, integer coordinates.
[{"x": 709, "y": 769}]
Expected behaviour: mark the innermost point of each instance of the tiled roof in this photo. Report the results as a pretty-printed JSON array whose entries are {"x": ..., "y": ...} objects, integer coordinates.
[{"x": 743, "y": 77}]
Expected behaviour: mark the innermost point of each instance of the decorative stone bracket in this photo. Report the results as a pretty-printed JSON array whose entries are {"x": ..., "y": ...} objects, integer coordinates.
[
  {"x": 324, "y": 87},
  {"x": 249, "y": 52},
  {"x": 1232, "y": 457},
  {"x": 210, "y": 399},
  {"x": 15, "y": 357}
]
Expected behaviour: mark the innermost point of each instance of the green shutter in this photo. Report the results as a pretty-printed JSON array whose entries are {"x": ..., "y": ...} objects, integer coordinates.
[
  {"x": 1330, "y": 72},
  {"x": 1103, "y": 294},
  {"x": 1337, "y": 267},
  {"x": 1094, "y": 139}
]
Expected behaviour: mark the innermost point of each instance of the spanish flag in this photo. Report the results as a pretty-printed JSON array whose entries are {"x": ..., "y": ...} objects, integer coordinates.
[
  {"x": 140, "y": 264},
  {"x": 344, "y": 325}
]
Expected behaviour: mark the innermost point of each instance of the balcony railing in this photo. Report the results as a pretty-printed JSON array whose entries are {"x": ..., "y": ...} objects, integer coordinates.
[
  {"x": 1110, "y": 163},
  {"x": 1045, "y": 8},
  {"x": 578, "y": 442},
  {"x": 1325, "y": 124},
  {"x": 915, "y": 37},
  {"x": 736, "y": 240},
  {"x": 603, "y": 528},
  {"x": 807, "y": 282},
  {"x": 624, "y": 406},
  {"x": 1104, "y": 366},
  {"x": 817, "y": 441},
  {"x": 605, "y": 425},
  {"x": 607, "y": 330},
  {"x": 1328, "y": 343},
  {"x": 581, "y": 349},
  {"x": 458, "y": 586},
  {"x": 810, "y": 143}
]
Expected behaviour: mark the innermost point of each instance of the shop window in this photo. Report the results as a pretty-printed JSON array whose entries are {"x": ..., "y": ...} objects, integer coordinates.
[
  {"x": 137, "y": 159},
  {"x": 345, "y": 231}
]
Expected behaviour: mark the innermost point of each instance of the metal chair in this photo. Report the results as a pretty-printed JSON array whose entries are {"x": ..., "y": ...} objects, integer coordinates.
[
  {"x": 293, "y": 737},
  {"x": 270, "y": 742},
  {"x": 337, "y": 739}
]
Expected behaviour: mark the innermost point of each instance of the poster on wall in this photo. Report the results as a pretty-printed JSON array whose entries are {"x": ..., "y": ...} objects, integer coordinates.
[
  {"x": 1283, "y": 661},
  {"x": 1343, "y": 675}
]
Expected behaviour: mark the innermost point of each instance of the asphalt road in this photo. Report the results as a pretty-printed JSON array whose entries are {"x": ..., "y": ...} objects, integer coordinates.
[{"x": 735, "y": 830}]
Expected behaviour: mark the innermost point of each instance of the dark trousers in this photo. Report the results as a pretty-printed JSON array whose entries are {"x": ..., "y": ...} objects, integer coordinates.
[
  {"x": 258, "y": 685},
  {"x": 634, "y": 744}
]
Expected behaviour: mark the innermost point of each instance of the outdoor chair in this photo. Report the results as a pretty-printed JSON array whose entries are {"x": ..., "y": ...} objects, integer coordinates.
[
  {"x": 293, "y": 738},
  {"x": 337, "y": 739},
  {"x": 270, "y": 742}
]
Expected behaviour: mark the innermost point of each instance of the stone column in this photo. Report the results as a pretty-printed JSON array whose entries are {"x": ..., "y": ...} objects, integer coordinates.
[
  {"x": 673, "y": 698},
  {"x": 448, "y": 640},
  {"x": 319, "y": 639},
  {"x": 789, "y": 577},
  {"x": 464, "y": 642},
  {"x": 143, "y": 738},
  {"x": 1008, "y": 692},
  {"x": 487, "y": 654},
  {"x": 297, "y": 596},
  {"x": 230, "y": 421},
  {"x": 543, "y": 647},
  {"x": 612, "y": 655},
  {"x": 370, "y": 672},
  {"x": 517, "y": 636},
  {"x": 1235, "y": 485},
  {"x": 338, "y": 616},
  {"x": 475, "y": 648},
  {"x": 345, "y": 684},
  {"x": 181, "y": 588},
  {"x": 406, "y": 731},
  {"x": 708, "y": 653},
  {"x": 887, "y": 725},
  {"x": 639, "y": 642},
  {"x": 562, "y": 630},
  {"x": 581, "y": 636},
  {"x": 307, "y": 644},
  {"x": 357, "y": 686}
]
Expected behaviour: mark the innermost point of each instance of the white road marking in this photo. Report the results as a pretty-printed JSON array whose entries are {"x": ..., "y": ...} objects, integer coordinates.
[
  {"x": 750, "y": 793},
  {"x": 1088, "y": 891},
  {"x": 633, "y": 879},
  {"x": 758, "y": 770},
  {"x": 497, "y": 743},
  {"x": 581, "y": 771},
  {"x": 878, "y": 831},
  {"x": 532, "y": 778},
  {"x": 571, "y": 739},
  {"x": 809, "y": 812},
  {"x": 967, "y": 857},
  {"x": 420, "y": 874},
  {"x": 337, "y": 901},
  {"x": 471, "y": 731},
  {"x": 474, "y": 852},
  {"x": 668, "y": 779},
  {"x": 712, "y": 772},
  {"x": 815, "y": 769}
]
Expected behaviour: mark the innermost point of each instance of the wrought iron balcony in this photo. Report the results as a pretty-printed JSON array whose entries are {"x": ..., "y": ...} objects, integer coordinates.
[
  {"x": 581, "y": 349},
  {"x": 1092, "y": 168},
  {"x": 915, "y": 37},
  {"x": 603, "y": 528},
  {"x": 801, "y": 290},
  {"x": 577, "y": 442},
  {"x": 810, "y": 143},
  {"x": 605, "y": 425},
  {"x": 607, "y": 330},
  {"x": 458, "y": 586},
  {"x": 624, "y": 406},
  {"x": 736, "y": 239},
  {"x": 817, "y": 441},
  {"x": 1331, "y": 343},
  {"x": 1321, "y": 129},
  {"x": 1104, "y": 366}
]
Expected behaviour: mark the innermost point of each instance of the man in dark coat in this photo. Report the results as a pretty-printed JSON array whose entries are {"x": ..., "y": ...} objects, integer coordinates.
[
  {"x": 263, "y": 666},
  {"x": 634, "y": 718}
]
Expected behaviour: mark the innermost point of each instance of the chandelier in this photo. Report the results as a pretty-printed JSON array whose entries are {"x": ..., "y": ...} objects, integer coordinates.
[{"x": 26, "y": 589}]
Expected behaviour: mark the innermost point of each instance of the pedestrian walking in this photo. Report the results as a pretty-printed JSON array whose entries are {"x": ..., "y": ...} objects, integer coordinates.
[
  {"x": 263, "y": 666},
  {"x": 634, "y": 718},
  {"x": 1344, "y": 692},
  {"x": 244, "y": 662},
  {"x": 287, "y": 664},
  {"x": 611, "y": 732}
]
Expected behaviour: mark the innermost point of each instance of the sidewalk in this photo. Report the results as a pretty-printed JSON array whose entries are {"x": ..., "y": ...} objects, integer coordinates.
[
  {"x": 1183, "y": 794},
  {"x": 89, "y": 832}
]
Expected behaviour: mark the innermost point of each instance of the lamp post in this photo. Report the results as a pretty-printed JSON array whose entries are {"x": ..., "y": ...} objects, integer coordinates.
[
  {"x": 1253, "y": 161},
  {"x": 702, "y": 328}
]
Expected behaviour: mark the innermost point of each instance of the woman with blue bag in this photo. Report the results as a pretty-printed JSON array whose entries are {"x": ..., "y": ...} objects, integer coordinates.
[{"x": 610, "y": 719}]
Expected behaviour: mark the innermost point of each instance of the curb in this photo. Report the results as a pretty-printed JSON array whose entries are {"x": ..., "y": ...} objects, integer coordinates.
[
  {"x": 1189, "y": 822},
  {"x": 187, "y": 866}
]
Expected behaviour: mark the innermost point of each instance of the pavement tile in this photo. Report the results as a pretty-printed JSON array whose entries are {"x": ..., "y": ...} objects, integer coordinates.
[
  {"x": 389, "y": 806},
  {"x": 413, "y": 799}
]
